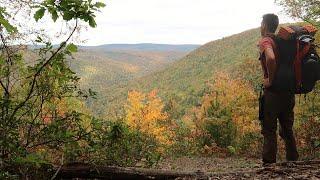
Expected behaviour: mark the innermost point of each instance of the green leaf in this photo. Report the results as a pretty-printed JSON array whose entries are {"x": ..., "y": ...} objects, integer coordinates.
[
  {"x": 51, "y": 2},
  {"x": 54, "y": 15},
  {"x": 92, "y": 22},
  {"x": 39, "y": 14},
  {"x": 7, "y": 25},
  {"x": 72, "y": 48},
  {"x": 39, "y": 39},
  {"x": 67, "y": 16},
  {"x": 100, "y": 5}
]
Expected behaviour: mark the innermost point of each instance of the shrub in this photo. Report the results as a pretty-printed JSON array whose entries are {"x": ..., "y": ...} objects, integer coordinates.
[
  {"x": 114, "y": 143},
  {"x": 228, "y": 113}
]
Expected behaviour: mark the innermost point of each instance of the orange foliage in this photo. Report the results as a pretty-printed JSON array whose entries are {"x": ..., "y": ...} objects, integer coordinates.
[
  {"x": 235, "y": 95},
  {"x": 145, "y": 113}
]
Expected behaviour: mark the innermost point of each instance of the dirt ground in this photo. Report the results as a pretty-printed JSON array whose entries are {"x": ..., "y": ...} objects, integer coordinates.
[
  {"x": 241, "y": 168},
  {"x": 208, "y": 164}
]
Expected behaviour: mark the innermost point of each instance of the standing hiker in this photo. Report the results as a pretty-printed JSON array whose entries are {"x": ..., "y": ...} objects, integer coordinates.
[{"x": 277, "y": 105}]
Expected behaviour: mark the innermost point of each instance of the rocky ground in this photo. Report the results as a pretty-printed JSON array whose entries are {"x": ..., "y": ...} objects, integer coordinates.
[
  {"x": 208, "y": 164},
  {"x": 289, "y": 171},
  {"x": 231, "y": 168}
]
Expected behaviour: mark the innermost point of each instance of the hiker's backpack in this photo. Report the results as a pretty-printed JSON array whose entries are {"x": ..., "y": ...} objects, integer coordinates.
[{"x": 298, "y": 65}]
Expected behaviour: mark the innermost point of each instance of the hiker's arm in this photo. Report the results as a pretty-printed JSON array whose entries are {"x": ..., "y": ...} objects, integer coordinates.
[{"x": 271, "y": 66}]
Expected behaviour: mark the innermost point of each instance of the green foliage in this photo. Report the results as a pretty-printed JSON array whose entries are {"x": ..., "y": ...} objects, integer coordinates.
[
  {"x": 36, "y": 95},
  {"x": 308, "y": 123},
  {"x": 4, "y": 22},
  {"x": 39, "y": 14},
  {"x": 219, "y": 126},
  {"x": 70, "y": 9},
  {"x": 222, "y": 131},
  {"x": 99, "y": 5},
  {"x": 185, "y": 143},
  {"x": 72, "y": 48},
  {"x": 250, "y": 141},
  {"x": 36, "y": 115},
  {"x": 114, "y": 143},
  {"x": 307, "y": 10},
  {"x": 231, "y": 150},
  {"x": 32, "y": 159}
]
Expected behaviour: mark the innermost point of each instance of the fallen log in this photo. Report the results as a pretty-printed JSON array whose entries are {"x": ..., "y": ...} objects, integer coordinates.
[{"x": 112, "y": 172}]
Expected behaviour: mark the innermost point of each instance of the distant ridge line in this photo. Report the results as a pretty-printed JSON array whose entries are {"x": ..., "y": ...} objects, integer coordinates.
[{"x": 145, "y": 47}]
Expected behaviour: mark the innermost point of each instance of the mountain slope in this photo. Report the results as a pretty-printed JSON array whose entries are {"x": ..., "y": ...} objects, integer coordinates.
[
  {"x": 185, "y": 80},
  {"x": 105, "y": 66},
  {"x": 99, "y": 69},
  {"x": 196, "y": 68}
]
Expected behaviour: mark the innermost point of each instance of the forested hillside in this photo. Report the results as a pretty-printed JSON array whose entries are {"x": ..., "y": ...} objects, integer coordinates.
[
  {"x": 188, "y": 76},
  {"x": 185, "y": 80},
  {"x": 100, "y": 68}
]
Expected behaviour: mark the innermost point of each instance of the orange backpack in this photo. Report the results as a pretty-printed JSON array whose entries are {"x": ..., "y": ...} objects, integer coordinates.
[{"x": 299, "y": 64}]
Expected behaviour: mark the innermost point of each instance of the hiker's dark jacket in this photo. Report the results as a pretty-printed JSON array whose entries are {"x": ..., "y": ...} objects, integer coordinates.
[{"x": 277, "y": 106}]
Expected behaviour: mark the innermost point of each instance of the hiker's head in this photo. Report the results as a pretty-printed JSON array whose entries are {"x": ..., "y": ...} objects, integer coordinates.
[{"x": 269, "y": 23}]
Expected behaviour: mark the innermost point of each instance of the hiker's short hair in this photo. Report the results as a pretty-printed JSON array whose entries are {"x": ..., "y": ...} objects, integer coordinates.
[{"x": 271, "y": 21}]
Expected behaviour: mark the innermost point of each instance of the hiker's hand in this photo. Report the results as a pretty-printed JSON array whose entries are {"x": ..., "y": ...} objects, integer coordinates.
[{"x": 266, "y": 83}]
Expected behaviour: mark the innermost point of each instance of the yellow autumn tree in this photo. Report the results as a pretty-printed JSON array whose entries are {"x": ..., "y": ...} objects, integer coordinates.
[
  {"x": 144, "y": 112},
  {"x": 238, "y": 96},
  {"x": 230, "y": 102}
]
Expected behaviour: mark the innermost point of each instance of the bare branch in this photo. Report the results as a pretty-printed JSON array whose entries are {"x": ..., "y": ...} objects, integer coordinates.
[
  {"x": 78, "y": 138},
  {"x": 9, "y": 62},
  {"x": 33, "y": 120},
  {"x": 4, "y": 88}
]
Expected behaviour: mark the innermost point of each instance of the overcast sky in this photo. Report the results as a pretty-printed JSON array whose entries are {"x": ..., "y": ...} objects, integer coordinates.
[{"x": 177, "y": 21}]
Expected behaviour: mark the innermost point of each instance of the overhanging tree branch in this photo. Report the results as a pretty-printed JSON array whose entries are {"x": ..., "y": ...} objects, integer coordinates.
[
  {"x": 9, "y": 62},
  {"x": 40, "y": 70}
]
